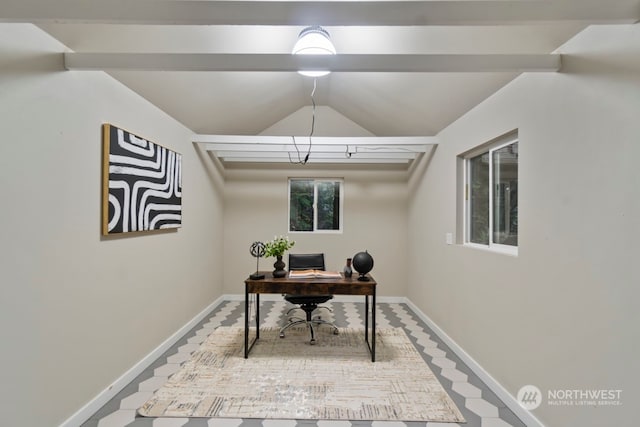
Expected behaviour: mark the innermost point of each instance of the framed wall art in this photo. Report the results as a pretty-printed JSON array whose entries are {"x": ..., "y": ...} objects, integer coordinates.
[{"x": 141, "y": 184}]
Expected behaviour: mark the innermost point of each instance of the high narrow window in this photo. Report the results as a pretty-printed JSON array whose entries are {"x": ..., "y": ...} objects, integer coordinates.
[
  {"x": 491, "y": 196},
  {"x": 315, "y": 205}
]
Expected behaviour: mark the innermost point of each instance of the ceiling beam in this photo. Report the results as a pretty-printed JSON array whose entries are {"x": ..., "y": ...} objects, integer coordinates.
[
  {"x": 317, "y": 140},
  {"x": 292, "y": 63},
  {"x": 407, "y": 150},
  {"x": 281, "y": 149},
  {"x": 326, "y": 13},
  {"x": 315, "y": 155},
  {"x": 293, "y": 160}
]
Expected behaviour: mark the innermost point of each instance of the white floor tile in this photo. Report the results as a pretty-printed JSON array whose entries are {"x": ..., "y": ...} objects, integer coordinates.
[
  {"x": 421, "y": 335},
  {"x": 454, "y": 374},
  {"x": 443, "y": 362},
  {"x": 482, "y": 408},
  {"x": 166, "y": 370},
  {"x": 152, "y": 384},
  {"x": 178, "y": 358},
  {"x": 135, "y": 400},
  {"x": 352, "y": 313},
  {"x": 279, "y": 423},
  {"x": 435, "y": 352},
  {"x": 188, "y": 348},
  {"x": 494, "y": 422},
  {"x": 224, "y": 422},
  {"x": 430, "y": 344},
  {"x": 169, "y": 422},
  {"x": 196, "y": 339},
  {"x": 118, "y": 418},
  {"x": 333, "y": 423},
  {"x": 467, "y": 390}
]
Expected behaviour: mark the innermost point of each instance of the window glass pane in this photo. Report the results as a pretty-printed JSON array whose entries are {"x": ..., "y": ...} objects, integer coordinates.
[
  {"x": 505, "y": 195},
  {"x": 301, "y": 206},
  {"x": 479, "y": 199},
  {"x": 328, "y": 205}
]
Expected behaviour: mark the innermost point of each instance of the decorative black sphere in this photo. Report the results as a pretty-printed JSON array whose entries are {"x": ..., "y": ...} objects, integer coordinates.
[{"x": 363, "y": 263}]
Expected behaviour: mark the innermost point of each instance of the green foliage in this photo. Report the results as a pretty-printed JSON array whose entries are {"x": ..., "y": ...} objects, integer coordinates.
[
  {"x": 479, "y": 203},
  {"x": 301, "y": 206},
  {"x": 278, "y": 246},
  {"x": 328, "y": 206}
]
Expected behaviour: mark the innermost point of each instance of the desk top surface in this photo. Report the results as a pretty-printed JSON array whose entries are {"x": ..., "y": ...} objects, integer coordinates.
[{"x": 309, "y": 286}]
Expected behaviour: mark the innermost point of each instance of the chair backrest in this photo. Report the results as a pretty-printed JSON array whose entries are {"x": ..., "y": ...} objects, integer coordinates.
[{"x": 306, "y": 261}]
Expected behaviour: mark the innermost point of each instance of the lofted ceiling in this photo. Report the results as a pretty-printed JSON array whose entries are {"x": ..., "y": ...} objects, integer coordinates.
[{"x": 404, "y": 69}]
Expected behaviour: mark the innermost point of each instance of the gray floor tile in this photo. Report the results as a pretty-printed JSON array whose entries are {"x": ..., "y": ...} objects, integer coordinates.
[
  {"x": 92, "y": 422},
  {"x": 197, "y": 422},
  {"x": 141, "y": 422},
  {"x": 491, "y": 397},
  {"x": 507, "y": 415},
  {"x": 251, "y": 422}
]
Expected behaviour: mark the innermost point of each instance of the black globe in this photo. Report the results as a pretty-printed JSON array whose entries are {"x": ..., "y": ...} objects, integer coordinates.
[{"x": 363, "y": 263}]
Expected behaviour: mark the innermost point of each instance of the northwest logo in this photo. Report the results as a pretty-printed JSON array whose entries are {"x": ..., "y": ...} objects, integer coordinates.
[{"x": 529, "y": 397}]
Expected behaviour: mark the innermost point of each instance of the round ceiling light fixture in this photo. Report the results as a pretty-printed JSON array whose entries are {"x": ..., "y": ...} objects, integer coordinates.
[{"x": 314, "y": 41}]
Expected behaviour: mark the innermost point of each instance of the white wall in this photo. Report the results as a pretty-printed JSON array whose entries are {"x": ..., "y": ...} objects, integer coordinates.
[
  {"x": 563, "y": 313},
  {"x": 77, "y": 310},
  {"x": 375, "y": 208}
]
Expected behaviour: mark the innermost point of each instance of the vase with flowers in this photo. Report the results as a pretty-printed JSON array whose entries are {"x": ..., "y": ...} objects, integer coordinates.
[{"x": 276, "y": 248}]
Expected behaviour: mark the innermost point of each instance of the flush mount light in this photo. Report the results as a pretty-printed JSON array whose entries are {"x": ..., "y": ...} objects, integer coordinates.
[{"x": 314, "y": 41}]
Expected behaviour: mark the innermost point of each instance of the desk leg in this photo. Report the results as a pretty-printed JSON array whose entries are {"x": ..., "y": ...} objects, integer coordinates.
[
  {"x": 257, "y": 316},
  {"x": 373, "y": 327},
  {"x": 247, "y": 346},
  {"x": 246, "y": 321},
  {"x": 366, "y": 320},
  {"x": 371, "y": 343}
]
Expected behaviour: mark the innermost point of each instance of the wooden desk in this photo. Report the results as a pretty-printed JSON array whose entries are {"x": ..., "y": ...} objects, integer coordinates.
[{"x": 315, "y": 286}]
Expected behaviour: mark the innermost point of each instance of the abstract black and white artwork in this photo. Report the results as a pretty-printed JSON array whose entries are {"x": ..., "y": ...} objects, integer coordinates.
[{"x": 142, "y": 184}]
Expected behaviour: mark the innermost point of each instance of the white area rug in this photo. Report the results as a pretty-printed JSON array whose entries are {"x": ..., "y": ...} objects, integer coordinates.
[{"x": 286, "y": 378}]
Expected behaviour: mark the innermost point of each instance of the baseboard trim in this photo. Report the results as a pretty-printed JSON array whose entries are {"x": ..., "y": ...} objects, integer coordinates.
[
  {"x": 84, "y": 413},
  {"x": 507, "y": 398}
]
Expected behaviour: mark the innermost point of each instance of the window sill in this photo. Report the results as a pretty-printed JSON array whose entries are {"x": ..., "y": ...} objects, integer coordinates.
[
  {"x": 499, "y": 249},
  {"x": 317, "y": 232}
]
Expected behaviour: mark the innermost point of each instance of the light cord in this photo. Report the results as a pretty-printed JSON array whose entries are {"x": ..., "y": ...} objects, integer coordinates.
[{"x": 313, "y": 126}]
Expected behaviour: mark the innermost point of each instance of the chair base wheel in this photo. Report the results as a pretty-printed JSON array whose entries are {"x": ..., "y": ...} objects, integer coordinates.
[{"x": 309, "y": 320}]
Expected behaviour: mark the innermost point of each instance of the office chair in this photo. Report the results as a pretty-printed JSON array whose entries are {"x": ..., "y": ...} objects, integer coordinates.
[{"x": 307, "y": 303}]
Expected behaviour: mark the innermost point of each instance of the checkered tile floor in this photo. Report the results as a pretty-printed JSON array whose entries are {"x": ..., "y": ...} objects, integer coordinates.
[{"x": 480, "y": 406}]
